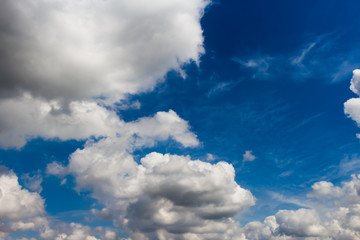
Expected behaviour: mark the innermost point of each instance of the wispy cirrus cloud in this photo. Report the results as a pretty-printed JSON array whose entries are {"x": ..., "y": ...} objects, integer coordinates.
[{"x": 315, "y": 59}]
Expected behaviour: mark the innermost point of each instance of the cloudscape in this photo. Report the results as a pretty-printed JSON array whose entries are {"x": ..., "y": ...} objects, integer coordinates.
[{"x": 179, "y": 120}]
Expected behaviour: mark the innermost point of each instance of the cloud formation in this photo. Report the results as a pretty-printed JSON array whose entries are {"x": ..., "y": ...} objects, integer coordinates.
[
  {"x": 163, "y": 196},
  {"x": 19, "y": 208},
  {"x": 74, "y": 50},
  {"x": 352, "y": 106},
  {"x": 335, "y": 215},
  {"x": 25, "y": 118}
]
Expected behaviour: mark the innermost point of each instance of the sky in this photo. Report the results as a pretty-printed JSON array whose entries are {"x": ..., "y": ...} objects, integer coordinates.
[{"x": 179, "y": 120}]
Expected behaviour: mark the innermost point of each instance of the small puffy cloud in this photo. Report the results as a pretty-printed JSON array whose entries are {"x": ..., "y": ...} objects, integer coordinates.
[
  {"x": 352, "y": 106},
  {"x": 159, "y": 128},
  {"x": 325, "y": 189},
  {"x": 355, "y": 82},
  {"x": 248, "y": 156},
  {"x": 352, "y": 109},
  {"x": 56, "y": 169}
]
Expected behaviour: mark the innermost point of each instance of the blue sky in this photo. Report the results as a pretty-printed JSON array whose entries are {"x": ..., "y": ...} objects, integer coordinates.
[{"x": 123, "y": 85}]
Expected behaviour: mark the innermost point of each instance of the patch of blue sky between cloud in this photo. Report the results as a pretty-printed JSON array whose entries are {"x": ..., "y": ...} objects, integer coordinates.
[{"x": 318, "y": 58}]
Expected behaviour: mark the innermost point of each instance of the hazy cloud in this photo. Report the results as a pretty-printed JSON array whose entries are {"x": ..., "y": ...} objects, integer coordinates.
[{"x": 248, "y": 156}]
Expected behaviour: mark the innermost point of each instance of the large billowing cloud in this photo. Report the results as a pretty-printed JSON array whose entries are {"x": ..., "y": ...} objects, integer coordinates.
[
  {"x": 61, "y": 58},
  {"x": 163, "y": 196},
  {"x": 81, "y": 49}
]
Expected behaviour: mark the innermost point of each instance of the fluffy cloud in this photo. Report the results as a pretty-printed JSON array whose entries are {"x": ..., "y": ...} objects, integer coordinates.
[
  {"x": 352, "y": 106},
  {"x": 19, "y": 208},
  {"x": 26, "y": 117},
  {"x": 75, "y": 232},
  {"x": 61, "y": 58},
  {"x": 81, "y": 49},
  {"x": 355, "y": 82},
  {"x": 17, "y": 203},
  {"x": 163, "y": 196},
  {"x": 325, "y": 189},
  {"x": 336, "y": 215}
]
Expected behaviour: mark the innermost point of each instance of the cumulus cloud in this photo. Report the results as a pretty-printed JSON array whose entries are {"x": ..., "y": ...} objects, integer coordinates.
[
  {"x": 20, "y": 210},
  {"x": 335, "y": 215},
  {"x": 83, "y": 49},
  {"x": 352, "y": 106},
  {"x": 26, "y": 118},
  {"x": 17, "y": 203},
  {"x": 355, "y": 82},
  {"x": 325, "y": 189},
  {"x": 163, "y": 196},
  {"x": 61, "y": 59}
]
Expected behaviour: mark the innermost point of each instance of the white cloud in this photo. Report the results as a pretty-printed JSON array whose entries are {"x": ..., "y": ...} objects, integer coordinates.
[
  {"x": 17, "y": 203},
  {"x": 325, "y": 189},
  {"x": 80, "y": 49},
  {"x": 335, "y": 215},
  {"x": 56, "y": 169},
  {"x": 26, "y": 117},
  {"x": 352, "y": 106},
  {"x": 61, "y": 58},
  {"x": 300, "y": 223},
  {"x": 20, "y": 210},
  {"x": 355, "y": 82},
  {"x": 76, "y": 232},
  {"x": 164, "y": 195},
  {"x": 248, "y": 156}
]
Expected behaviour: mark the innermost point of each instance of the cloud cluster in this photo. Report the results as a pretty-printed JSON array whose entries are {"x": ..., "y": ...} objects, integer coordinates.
[
  {"x": 82, "y": 49},
  {"x": 21, "y": 210},
  {"x": 335, "y": 215},
  {"x": 162, "y": 196},
  {"x": 61, "y": 59}
]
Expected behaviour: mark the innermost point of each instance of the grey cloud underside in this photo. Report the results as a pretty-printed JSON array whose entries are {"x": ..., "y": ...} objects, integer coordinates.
[{"x": 81, "y": 49}]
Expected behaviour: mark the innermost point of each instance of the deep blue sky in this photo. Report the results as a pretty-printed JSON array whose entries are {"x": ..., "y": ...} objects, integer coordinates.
[{"x": 273, "y": 80}]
